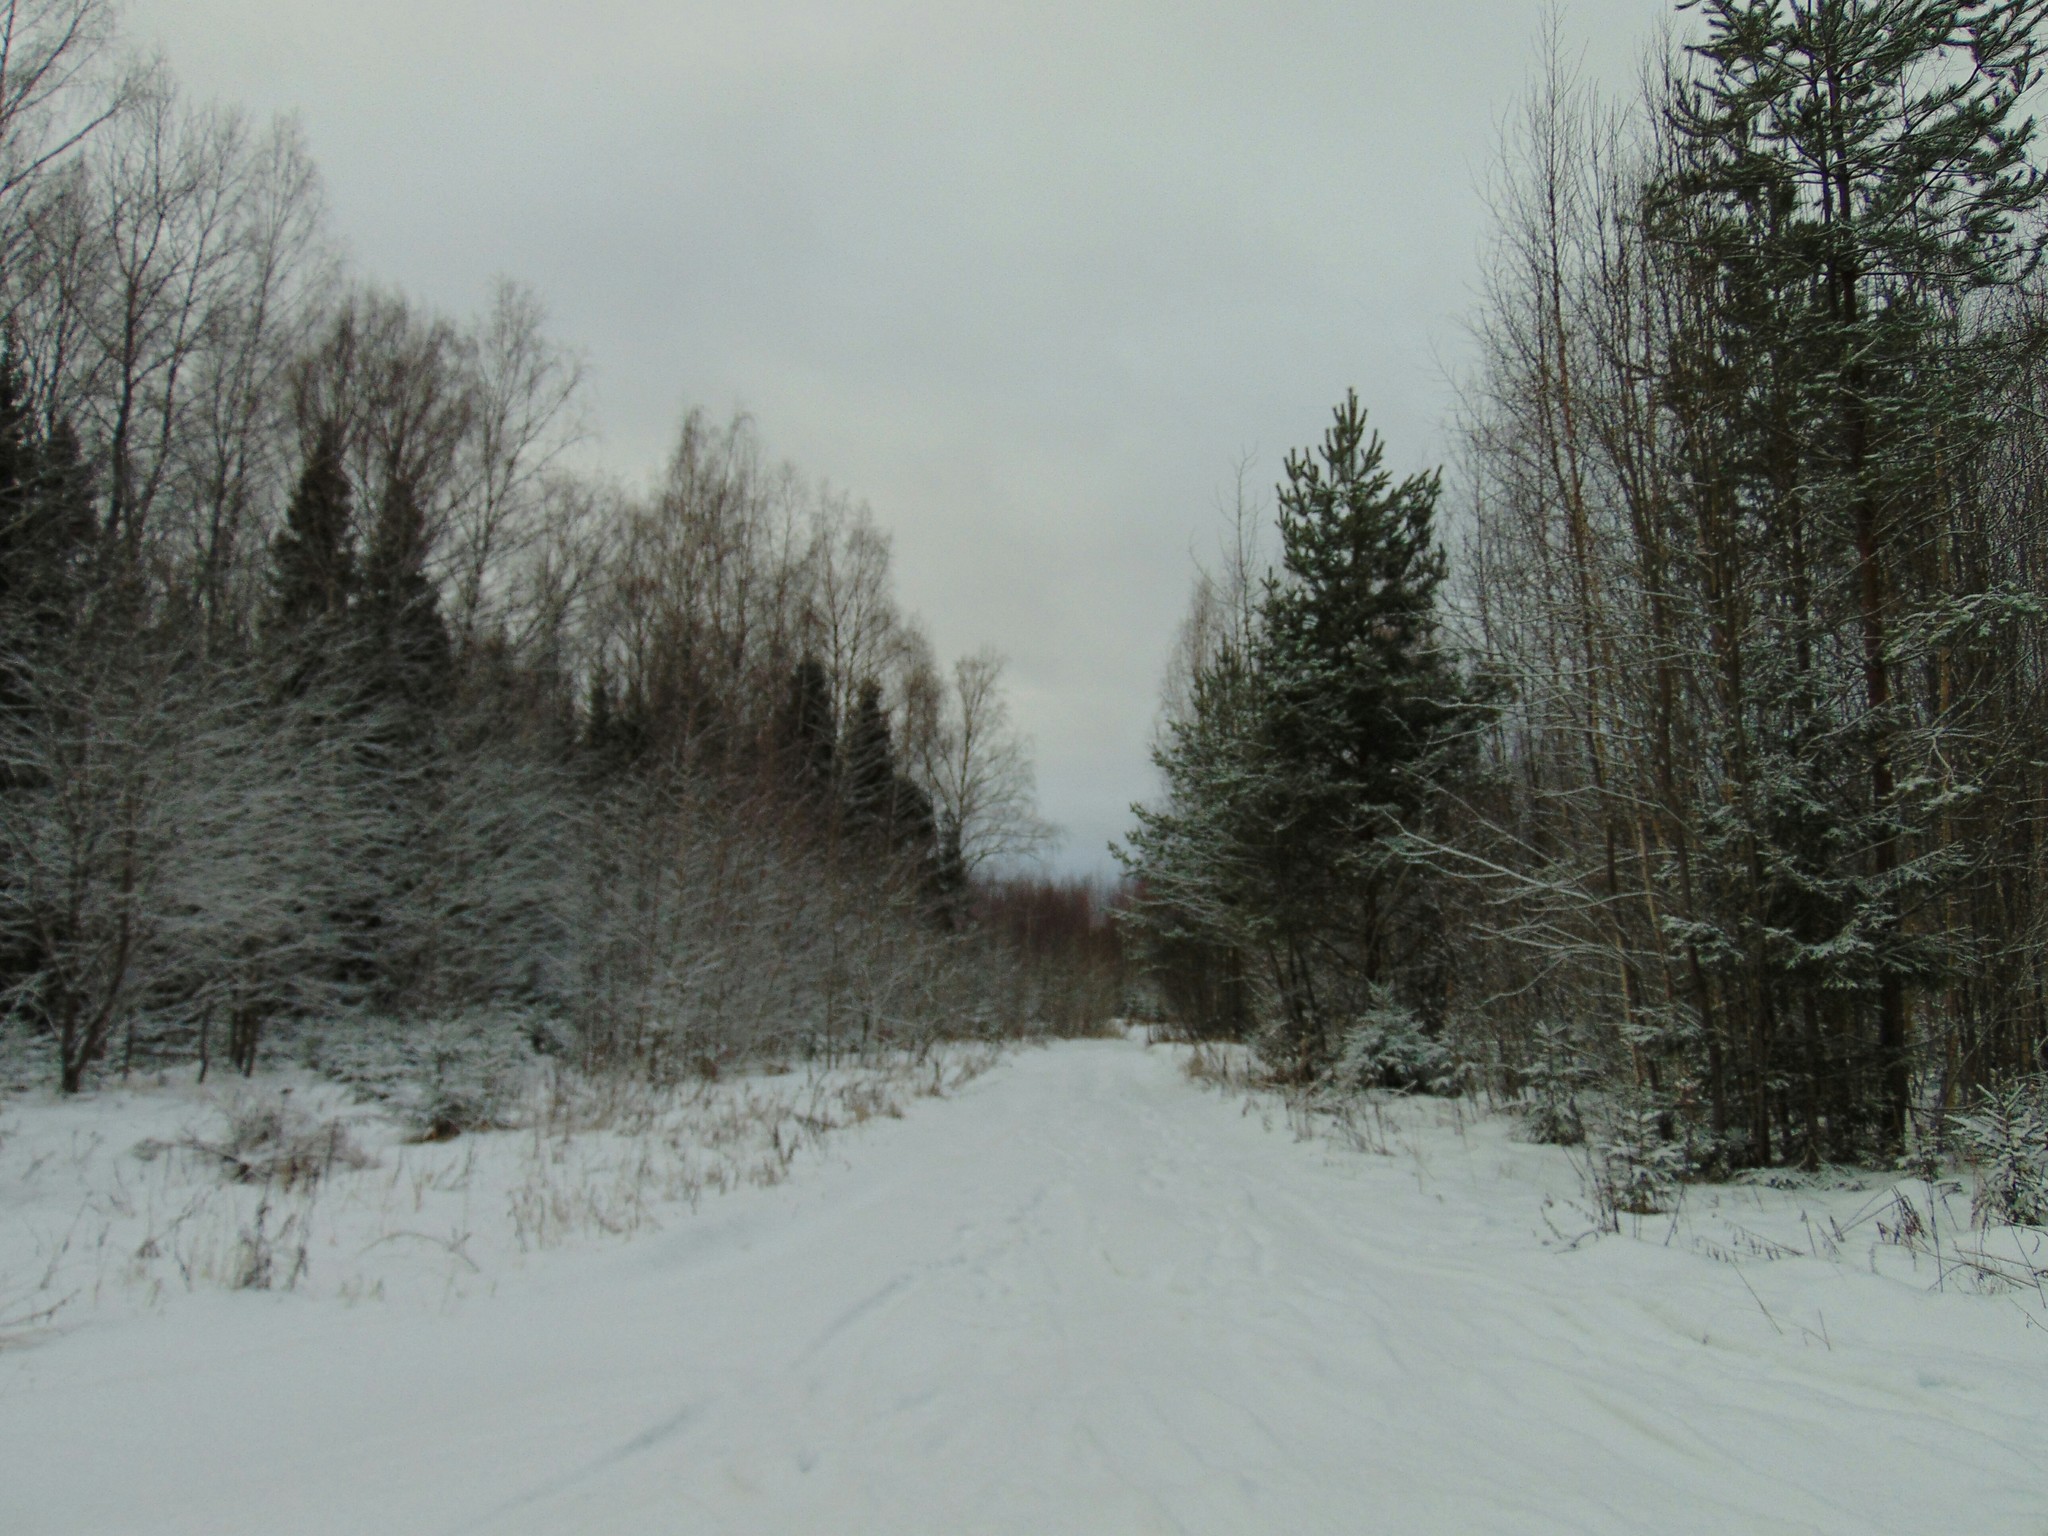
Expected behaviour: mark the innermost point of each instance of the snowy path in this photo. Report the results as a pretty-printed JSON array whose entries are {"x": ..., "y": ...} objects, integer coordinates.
[{"x": 1081, "y": 1296}]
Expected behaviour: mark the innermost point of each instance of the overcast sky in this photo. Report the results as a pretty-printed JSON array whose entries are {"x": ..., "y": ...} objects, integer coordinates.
[{"x": 1030, "y": 279}]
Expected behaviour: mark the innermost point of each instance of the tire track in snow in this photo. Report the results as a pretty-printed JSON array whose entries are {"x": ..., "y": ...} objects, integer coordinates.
[{"x": 1083, "y": 1295}]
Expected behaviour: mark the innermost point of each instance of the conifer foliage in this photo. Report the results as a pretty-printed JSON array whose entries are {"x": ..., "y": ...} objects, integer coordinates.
[
  {"x": 313, "y": 556},
  {"x": 1735, "y": 858},
  {"x": 1849, "y": 179},
  {"x": 1312, "y": 741},
  {"x": 1754, "y": 549},
  {"x": 333, "y": 705}
]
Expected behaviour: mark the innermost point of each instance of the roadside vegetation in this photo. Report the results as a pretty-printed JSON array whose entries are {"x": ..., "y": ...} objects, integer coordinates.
[{"x": 1668, "y": 769}]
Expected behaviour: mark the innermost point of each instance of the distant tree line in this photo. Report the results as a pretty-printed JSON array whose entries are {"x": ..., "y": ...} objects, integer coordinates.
[
  {"x": 1711, "y": 772},
  {"x": 327, "y": 691}
]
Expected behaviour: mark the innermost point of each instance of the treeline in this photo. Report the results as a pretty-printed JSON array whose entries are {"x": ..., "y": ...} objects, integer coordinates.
[
  {"x": 1712, "y": 770},
  {"x": 328, "y": 692},
  {"x": 1064, "y": 935}
]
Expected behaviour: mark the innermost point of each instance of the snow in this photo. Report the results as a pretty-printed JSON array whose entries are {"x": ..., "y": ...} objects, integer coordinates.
[{"x": 1077, "y": 1293}]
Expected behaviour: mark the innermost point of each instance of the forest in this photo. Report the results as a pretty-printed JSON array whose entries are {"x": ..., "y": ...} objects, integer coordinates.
[
  {"x": 535, "y": 1001},
  {"x": 1677, "y": 748},
  {"x": 1681, "y": 746},
  {"x": 342, "y": 710}
]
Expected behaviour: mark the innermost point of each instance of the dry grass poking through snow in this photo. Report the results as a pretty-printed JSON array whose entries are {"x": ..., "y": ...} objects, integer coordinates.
[
  {"x": 132, "y": 1198},
  {"x": 1929, "y": 1234},
  {"x": 608, "y": 1158}
]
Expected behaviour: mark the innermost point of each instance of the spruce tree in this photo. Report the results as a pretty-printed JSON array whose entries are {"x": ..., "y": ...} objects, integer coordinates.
[
  {"x": 313, "y": 573},
  {"x": 18, "y": 476},
  {"x": 312, "y": 567},
  {"x": 948, "y": 884},
  {"x": 609, "y": 734},
  {"x": 46, "y": 532},
  {"x": 869, "y": 760},
  {"x": 806, "y": 731},
  {"x": 46, "y": 521},
  {"x": 1210, "y": 861},
  {"x": 884, "y": 807},
  {"x": 409, "y": 657}
]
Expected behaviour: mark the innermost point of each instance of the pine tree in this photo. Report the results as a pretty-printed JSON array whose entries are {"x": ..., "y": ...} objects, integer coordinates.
[
  {"x": 1362, "y": 691},
  {"x": 1365, "y": 714},
  {"x": 1275, "y": 860}
]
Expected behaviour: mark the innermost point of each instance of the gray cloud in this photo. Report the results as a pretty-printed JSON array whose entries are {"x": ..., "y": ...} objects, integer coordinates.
[{"x": 1030, "y": 279}]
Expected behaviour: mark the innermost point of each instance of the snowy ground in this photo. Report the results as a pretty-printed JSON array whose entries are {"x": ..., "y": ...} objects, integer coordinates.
[{"x": 1079, "y": 1293}]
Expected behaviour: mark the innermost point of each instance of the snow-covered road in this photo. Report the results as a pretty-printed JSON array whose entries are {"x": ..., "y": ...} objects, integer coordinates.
[{"x": 1083, "y": 1295}]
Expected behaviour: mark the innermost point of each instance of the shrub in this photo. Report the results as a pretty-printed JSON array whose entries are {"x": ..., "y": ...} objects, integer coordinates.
[
  {"x": 444, "y": 1077},
  {"x": 2008, "y": 1141},
  {"x": 270, "y": 1141},
  {"x": 468, "y": 1075},
  {"x": 1554, "y": 1079},
  {"x": 1638, "y": 1169},
  {"x": 1388, "y": 1047}
]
